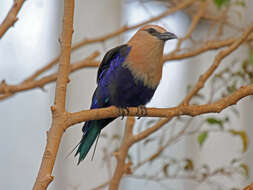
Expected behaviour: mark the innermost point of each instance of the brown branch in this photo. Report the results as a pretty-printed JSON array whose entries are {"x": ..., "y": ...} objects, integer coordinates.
[
  {"x": 11, "y": 17},
  {"x": 9, "y": 90},
  {"x": 121, "y": 155},
  {"x": 249, "y": 187},
  {"x": 58, "y": 110},
  {"x": 191, "y": 110}
]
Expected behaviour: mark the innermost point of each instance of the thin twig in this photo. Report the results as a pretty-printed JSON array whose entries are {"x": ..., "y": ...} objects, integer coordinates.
[
  {"x": 9, "y": 90},
  {"x": 11, "y": 17}
]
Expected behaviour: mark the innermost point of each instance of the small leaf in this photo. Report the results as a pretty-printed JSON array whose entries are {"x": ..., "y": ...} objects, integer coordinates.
[
  {"x": 243, "y": 136},
  {"x": 202, "y": 137},
  {"x": 251, "y": 57},
  {"x": 220, "y": 3},
  {"x": 189, "y": 165},
  {"x": 245, "y": 168},
  {"x": 214, "y": 121}
]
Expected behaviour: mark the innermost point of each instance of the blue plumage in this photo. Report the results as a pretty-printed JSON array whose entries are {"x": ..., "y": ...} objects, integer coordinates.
[
  {"x": 116, "y": 86},
  {"x": 127, "y": 77}
]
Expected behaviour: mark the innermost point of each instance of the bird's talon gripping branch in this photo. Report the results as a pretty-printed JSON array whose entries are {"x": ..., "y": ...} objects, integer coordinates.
[
  {"x": 141, "y": 111},
  {"x": 123, "y": 112}
]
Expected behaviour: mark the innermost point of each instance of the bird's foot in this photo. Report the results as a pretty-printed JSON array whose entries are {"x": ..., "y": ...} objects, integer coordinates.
[
  {"x": 141, "y": 111},
  {"x": 123, "y": 112}
]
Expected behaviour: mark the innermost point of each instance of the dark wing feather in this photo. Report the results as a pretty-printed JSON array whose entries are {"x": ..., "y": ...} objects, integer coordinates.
[{"x": 109, "y": 56}]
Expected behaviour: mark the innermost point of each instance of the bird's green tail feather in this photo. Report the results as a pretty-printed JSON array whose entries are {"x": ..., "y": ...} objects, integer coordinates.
[{"x": 87, "y": 140}]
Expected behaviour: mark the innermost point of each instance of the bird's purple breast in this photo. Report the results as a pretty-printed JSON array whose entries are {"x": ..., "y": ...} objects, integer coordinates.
[{"x": 126, "y": 91}]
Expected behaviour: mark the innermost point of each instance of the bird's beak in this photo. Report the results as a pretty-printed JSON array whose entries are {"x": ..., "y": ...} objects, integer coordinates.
[{"x": 167, "y": 36}]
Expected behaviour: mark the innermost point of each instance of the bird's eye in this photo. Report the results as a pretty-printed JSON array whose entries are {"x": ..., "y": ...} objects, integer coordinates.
[{"x": 151, "y": 30}]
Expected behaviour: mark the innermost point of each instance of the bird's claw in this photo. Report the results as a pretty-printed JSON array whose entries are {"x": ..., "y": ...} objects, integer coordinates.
[
  {"x": 123, "y": 112},
  {"x": 141, "y": 111}
]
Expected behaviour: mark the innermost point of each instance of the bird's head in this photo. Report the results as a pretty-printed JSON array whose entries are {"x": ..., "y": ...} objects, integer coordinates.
[
  {"x": 146, "y": 56},
  {"x": 157, "y": 32},
  {"x": 151, "y": 38}
]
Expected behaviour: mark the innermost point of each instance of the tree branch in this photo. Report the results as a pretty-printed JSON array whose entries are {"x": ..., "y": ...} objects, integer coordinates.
[
  {"x": 249, "y": 187},
  {"x": 121, "y": 155},
  {"x": 9, "y": 90},
  {"x": 11, "y": 17},
  {"x": 58, "y": 110},
  {"x": 190, "y": 110}
]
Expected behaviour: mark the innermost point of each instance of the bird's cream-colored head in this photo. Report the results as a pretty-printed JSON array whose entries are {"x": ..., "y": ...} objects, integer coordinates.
[{"x": 145, "y": 58}]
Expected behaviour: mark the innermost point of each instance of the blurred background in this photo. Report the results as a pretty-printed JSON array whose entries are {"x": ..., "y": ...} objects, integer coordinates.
[{"x": 25, "y": 117}]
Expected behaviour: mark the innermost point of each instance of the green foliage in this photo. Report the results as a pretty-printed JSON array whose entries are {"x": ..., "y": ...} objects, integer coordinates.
[
  {"x": 202, "y": 137},
  {"x": 220, "y": 3},
  {"x": 251, "y": 57},
  {"x": 214, "y": 121}
]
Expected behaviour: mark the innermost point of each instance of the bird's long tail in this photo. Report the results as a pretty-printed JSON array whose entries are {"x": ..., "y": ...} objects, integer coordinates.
[{"x": 92, "y": 130}]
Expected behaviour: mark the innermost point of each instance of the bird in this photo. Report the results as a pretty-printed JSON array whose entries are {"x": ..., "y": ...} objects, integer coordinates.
[{"x": 127, "y": 77}]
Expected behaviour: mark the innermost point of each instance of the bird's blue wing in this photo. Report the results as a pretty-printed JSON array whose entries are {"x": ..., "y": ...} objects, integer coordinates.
[
  {"x": 110, "y": 57},
  {"x": 107, "y": 69},
  {"x": 101, "y": 96}
]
